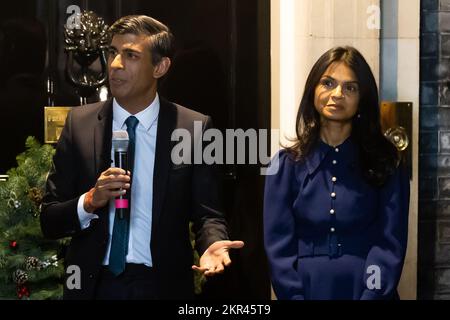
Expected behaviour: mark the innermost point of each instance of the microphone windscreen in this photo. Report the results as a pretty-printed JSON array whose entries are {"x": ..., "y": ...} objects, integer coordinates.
[{"x": 120, "y": 140}]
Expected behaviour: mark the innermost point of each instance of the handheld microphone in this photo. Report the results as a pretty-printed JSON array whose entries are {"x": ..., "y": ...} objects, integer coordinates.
[{"x": 120, "y": 147}]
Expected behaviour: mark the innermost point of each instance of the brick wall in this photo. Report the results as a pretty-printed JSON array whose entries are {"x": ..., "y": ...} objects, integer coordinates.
[{"x": 434, "y": 152}]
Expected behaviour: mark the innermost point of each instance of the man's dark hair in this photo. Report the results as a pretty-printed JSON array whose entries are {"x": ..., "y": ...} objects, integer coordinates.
[{"x": 161, "y": 44}]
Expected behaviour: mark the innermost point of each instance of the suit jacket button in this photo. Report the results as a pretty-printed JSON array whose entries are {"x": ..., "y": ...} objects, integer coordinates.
[{"x": 91, "y": 276}]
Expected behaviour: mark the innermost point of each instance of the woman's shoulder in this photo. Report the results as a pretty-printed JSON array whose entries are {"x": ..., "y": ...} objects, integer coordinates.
[
  {"x": 284, "y": 161},
  {"x": 285, "y": 158}
]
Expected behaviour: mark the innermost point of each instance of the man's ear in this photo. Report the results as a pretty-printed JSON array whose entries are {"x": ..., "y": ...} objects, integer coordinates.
[{"x": 161, "y": 68}]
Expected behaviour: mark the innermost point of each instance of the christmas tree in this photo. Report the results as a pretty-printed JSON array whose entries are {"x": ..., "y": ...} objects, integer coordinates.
[{"x": 30, "y": 267}]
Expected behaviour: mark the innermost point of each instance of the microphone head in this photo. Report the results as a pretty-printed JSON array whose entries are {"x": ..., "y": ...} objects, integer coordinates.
[{"x": 120, "y": 141}]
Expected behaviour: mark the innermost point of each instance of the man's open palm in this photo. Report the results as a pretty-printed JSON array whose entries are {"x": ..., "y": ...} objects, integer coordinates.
[{"x": 216, "y": 258}]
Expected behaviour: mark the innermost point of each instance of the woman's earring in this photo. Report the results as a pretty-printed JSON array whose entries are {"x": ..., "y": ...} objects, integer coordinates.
[{"x": 358, "y": 115}]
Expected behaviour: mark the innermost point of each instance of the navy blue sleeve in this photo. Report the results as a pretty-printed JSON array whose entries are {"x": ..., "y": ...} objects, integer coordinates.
[
  {"x": 385, "y": 259},
  {"x": 280, "y": 240}
]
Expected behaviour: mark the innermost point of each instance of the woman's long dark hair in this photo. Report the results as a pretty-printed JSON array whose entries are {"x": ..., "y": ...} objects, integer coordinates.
[{"x": 378, "y": 158}]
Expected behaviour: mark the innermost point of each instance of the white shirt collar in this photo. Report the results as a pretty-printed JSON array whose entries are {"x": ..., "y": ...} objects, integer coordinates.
[{"x": 146, "y": 117}]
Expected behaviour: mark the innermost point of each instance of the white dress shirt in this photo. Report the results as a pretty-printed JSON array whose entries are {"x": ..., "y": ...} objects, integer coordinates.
[{"x": 141, "y": 188}]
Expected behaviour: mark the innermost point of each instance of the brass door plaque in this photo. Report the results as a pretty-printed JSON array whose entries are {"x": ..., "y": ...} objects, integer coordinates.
[
  {"x": 396, "y": 123},
  {"x": 55, "y": 118}
]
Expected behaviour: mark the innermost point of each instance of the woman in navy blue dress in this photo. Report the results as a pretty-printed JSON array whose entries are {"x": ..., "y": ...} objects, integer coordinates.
[{"x": 336, "y": 206}]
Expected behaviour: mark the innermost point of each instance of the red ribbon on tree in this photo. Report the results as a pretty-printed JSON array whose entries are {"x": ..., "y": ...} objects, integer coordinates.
[{"x": 22, "y": 290}]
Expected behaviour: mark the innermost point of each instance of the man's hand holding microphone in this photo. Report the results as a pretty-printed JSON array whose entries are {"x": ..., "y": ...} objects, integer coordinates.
[{"x": 113, "y": 182}]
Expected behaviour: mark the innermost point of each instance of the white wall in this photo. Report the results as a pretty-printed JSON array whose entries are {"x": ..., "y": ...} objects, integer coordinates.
[{"x": 408, "y": 90}]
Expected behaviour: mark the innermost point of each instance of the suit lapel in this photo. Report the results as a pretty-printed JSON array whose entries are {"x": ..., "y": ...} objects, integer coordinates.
[
  {"x": 102, "y": 138},
  {"x": 166, "y": 125},
  {"x": 102, "y": 153}
]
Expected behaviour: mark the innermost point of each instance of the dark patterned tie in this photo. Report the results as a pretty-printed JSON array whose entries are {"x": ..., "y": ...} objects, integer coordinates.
[{"x": 119, "y": 242}]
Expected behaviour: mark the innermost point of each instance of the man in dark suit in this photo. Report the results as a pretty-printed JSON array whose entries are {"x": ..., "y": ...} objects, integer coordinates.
[{"x": 146, "y": 254}]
